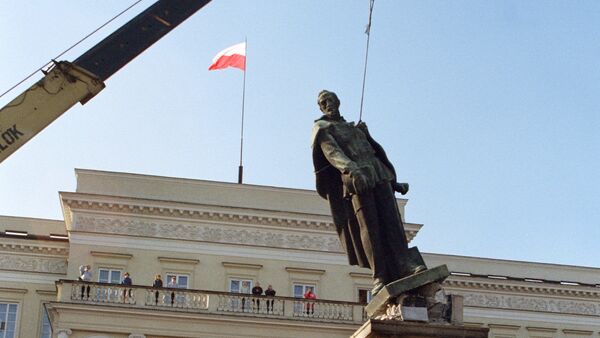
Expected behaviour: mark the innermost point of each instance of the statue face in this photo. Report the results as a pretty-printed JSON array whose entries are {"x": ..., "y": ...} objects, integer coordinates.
[{"x": 329, "y": 104}]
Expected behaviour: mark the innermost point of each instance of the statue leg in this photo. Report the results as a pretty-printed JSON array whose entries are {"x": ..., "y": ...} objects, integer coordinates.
[
  {"x": 401, "y": 262},
  {"x": 371, "y": 236}
]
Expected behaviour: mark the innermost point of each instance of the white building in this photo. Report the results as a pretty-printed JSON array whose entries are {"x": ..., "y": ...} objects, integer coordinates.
[{"x": 219, "y": 240}]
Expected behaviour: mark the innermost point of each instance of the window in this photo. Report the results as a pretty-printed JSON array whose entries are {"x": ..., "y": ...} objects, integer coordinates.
[
  {"x": 46, "y": 331},
  {"x": 109, "y": 276},
  {"x": 240, "y": 285},
  {"x": 181, "y": 281},
  {"x": 8, "y": 320},
  {"x": 300, "y": 289},
  {"x": 364, "y": 296}
]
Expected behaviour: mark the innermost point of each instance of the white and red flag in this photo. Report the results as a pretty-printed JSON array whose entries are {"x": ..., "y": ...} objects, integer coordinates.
[{"x": 234, "y": 56}]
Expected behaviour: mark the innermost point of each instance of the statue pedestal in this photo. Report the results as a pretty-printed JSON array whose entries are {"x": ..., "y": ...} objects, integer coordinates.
[
  {"x": 392, "y": 291},
  {"x": 374, "y": 328}
]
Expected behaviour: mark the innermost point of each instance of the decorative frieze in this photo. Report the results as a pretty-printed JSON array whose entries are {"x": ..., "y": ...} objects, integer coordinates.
[
  {"x": 217, "y": 233},
  {"x": 193, "y": 212},
  {"x": 209, "y": 214},
  {"x": 545, "y": 289},
  {"x": 33, "y": 264},
  {"x": 527, "y": 303}
]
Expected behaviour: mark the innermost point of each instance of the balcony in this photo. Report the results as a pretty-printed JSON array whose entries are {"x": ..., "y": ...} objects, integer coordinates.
[{"x": 190, "y": 301}]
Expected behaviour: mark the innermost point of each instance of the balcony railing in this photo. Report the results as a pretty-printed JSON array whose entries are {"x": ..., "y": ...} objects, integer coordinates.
[{"x": 213, "y": 302}]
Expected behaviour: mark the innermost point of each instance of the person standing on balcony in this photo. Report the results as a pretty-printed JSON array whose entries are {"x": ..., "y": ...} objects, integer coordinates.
[
  {"x": 85, "y": 275},
  {"x": 257, "y": 291},
  {"x": 126, "y": 281},
  {"x": 173, "y": 284},
  {"x": 245, "y": 289},
  {"x": 310, "y": 305},
  {"x": 158, "y": 283},
  {"x": 269, "y": 292}
]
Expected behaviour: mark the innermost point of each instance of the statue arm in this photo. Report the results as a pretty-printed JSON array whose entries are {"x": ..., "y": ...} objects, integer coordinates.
[
  {"x": 352, "y": 177},
  {"x": 334, "y": 154}
]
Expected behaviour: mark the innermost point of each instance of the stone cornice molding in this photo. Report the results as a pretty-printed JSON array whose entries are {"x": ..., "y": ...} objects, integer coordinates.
[
  {"x": 503, "y": 326},
  {"x": 360, "y": 275},
  {"x": 34, "y": 249},
  {"x": 167, "y": 209},
  {"x": 178, "y": 260},
  {"x": 523, "y": 287},
  {"x": 540, "y": 329},
  {"x": 13, "y": 290},
  {"x": 305, "y": 270},
  {"x": 46, "y": 292},
  {"x": 237, "y": 265},
  {"x": 113, "y": 255},
  {"x": 584, "y": 333}
]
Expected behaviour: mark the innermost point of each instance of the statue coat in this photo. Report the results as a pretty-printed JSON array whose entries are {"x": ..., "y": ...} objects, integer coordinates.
[{"x": 330, "y": 186}]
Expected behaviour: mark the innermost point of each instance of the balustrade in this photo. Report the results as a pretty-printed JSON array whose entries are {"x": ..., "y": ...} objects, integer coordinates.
[
  {"x": 243, "y": 303},
  {"x": 210, "y": 302},
  {"x": 318, "y": 309},
  {"x": 102, "y": 293},
  {"x": 177, "y": 298}
]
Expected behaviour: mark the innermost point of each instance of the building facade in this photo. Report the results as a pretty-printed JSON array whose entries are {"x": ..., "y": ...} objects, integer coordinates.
[{"x": 212, "y": 243}]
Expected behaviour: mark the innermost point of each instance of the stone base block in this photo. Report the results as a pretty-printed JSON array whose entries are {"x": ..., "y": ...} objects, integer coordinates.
[
  {"x": 397, "y": 288},
  {"x": 399, "y": 329}
]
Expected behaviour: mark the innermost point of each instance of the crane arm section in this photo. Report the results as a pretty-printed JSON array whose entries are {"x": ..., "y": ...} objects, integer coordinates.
[{"x": 67, "y": 83}]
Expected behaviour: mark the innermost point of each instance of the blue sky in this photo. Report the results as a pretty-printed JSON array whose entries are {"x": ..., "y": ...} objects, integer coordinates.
[{"x": 489, "y": 109}]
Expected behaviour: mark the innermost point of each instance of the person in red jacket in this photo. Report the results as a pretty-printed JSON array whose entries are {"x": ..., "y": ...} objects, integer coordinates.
[{"x": 310, "y": 305}]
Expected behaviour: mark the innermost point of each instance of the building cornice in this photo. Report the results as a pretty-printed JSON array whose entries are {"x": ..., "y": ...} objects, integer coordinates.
[
  {"x": 34, "y": 249},
  {"x": 511, "y": 295},
  {"x": 477, "y": 284},
  {"x": 73, "y": 202}
]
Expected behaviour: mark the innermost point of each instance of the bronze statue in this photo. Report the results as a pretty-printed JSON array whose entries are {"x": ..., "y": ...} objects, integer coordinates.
[{"x": 354, "y": 174}]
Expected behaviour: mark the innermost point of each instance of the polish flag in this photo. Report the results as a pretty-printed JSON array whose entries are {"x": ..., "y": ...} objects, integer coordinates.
[{"x": 234, "y": 56}]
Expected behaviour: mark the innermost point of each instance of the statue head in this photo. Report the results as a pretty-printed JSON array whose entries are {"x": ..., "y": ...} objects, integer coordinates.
[{"x": 329, "y": 103}]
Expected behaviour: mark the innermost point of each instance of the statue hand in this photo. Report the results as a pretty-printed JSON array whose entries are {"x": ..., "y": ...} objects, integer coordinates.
[{"x": 400, "y": 187}]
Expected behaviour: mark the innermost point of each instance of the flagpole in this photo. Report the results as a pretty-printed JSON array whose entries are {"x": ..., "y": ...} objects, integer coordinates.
[{"x": 241, "y": 167}]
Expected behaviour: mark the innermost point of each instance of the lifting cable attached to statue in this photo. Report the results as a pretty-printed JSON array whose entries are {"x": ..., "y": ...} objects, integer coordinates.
[{"x": 368, "y": 32}]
